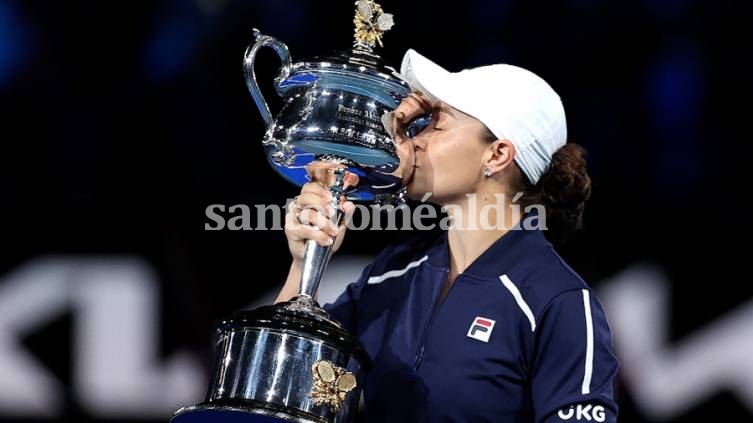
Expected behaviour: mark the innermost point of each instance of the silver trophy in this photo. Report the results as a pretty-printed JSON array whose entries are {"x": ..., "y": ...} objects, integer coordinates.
[{"x": 291, "y": 361}]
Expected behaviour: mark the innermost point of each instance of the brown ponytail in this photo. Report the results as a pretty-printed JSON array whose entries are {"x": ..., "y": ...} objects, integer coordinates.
[{"x": 562, "y": 190}]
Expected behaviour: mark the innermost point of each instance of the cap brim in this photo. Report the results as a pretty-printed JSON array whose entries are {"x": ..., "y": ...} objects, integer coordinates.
[{"x": 424, "y": 75}]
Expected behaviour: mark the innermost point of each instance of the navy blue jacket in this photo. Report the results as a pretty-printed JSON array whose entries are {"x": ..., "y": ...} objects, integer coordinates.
[{"x": 519, "y": 337}]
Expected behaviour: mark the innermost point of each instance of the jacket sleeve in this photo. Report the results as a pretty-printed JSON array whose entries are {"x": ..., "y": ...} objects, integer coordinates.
[{"x": 573, "y": 367}]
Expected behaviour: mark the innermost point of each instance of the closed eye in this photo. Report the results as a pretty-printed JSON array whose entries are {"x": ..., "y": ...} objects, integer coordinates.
[{"x": 417, "y": 124}]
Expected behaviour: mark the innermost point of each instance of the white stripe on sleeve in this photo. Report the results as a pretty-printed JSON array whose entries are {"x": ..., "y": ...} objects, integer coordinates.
[
  {"x": 586, "y": 387},
  {"x": 395, "y": 273},
  {"x": 519, "y": 299}
]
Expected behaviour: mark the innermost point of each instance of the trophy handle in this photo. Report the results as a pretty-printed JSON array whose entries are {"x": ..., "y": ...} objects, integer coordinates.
[{"x": 248, "y": 67}]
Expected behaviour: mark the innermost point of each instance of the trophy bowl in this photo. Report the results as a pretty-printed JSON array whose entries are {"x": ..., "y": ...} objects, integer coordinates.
[
  {"x": 291, "y": 361},
  {"x": 332, "y": 110}
]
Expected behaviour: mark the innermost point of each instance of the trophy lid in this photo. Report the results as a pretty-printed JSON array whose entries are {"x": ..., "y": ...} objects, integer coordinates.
[{"x": 343, "y": 69}]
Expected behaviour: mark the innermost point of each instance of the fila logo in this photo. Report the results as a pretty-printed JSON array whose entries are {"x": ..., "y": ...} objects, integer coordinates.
[
  {"x": 583, "y": 412},
  {"x": 481, "y": 329}
]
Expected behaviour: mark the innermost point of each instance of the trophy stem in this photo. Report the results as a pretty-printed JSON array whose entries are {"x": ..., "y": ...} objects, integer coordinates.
[{"x": 315, "y": 256}]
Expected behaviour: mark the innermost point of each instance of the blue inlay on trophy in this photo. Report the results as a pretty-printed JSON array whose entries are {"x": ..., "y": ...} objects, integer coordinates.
[{"x": 291, "y": 361}]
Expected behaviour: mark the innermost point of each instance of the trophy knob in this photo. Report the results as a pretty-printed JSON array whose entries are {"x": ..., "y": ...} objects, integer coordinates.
[{"x": 370, "y": 24}]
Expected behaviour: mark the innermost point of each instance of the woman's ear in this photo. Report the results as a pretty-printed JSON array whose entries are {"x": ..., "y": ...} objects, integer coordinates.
[{"x": 500, "y": 155}]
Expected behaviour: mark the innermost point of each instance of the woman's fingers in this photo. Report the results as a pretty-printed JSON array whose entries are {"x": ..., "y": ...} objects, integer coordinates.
[
  {"x": 312, "y": 216},
  {"x": 413, "y": 105},
  {"x": 322, "y": 231},
  {"x": 312, "y": 219}
]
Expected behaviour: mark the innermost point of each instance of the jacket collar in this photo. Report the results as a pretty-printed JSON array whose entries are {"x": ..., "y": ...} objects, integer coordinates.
[{"x": 517, "y": 247}]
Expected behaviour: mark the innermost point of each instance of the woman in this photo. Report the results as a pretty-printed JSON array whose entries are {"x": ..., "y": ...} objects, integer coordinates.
[{"x": 484, "y": 322}]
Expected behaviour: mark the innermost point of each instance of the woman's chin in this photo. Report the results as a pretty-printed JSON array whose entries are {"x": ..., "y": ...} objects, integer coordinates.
[
  {"x": 413, "y": 193},
  {"x": 416, "y": 192}
]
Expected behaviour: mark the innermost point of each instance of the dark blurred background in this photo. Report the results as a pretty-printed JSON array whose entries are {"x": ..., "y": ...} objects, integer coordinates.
[{"x": 121, "y": 122}]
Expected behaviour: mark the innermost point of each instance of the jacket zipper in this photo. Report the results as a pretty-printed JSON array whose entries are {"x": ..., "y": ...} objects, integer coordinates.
[{"x": 432, "y": 316}]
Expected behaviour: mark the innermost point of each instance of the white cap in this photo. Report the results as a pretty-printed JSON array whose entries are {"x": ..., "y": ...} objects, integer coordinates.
[{"x": 512, "y": 102}]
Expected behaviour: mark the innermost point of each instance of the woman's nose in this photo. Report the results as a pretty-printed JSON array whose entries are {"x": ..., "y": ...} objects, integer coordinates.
[{"x": 419, "y": 143}]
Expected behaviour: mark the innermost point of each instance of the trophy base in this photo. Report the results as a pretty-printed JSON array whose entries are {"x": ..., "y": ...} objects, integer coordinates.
[
  {"x": 239, "y": 413},
  {"x": 287, "y": 362}
]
